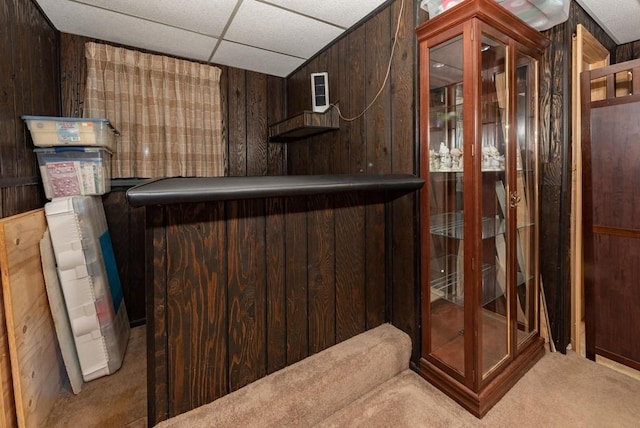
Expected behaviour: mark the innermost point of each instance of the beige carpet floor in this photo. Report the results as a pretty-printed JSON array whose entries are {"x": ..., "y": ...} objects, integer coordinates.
[{"x": 559, "y": 391}]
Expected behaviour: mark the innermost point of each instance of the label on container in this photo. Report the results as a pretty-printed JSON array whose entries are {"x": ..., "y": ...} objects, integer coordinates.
[{"x": 68, "y": 132}]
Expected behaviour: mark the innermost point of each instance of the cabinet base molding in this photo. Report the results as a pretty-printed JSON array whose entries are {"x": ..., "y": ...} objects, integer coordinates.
[{"x": 479, "y": 403}]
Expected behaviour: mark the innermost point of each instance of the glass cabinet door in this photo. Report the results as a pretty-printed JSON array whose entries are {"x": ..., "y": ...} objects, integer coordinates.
[
  {"x": 446, "y": 260},
  {"x": 494, "y": 337},
  {"x": 525, "y": 198}
]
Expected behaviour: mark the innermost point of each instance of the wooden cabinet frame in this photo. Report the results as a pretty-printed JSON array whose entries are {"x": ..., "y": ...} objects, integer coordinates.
[{"x": 474, "y": 383}]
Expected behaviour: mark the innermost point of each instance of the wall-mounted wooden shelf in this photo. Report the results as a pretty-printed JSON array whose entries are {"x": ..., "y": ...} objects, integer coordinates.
[{"x": 303, "y": 125}]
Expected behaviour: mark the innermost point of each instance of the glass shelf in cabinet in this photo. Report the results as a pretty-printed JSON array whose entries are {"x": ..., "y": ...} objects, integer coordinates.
[
  {"x": 447, "y": 284},
  {"x": 451, "y": 225}
]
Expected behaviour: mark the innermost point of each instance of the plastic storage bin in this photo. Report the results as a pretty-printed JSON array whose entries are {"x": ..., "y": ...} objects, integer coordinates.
[
  {"x": 70, "y": 131},
  {"x": 68, "y": 171},
  {"x": 539, "y": 14},
  {"x": 90, "y": 283}
]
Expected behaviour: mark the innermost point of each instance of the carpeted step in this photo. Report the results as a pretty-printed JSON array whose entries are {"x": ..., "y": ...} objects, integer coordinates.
[{"x": 308, "y": 392}]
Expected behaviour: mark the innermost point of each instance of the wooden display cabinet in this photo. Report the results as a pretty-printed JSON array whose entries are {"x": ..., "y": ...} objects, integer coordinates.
[{"x": 479, "y": 236}]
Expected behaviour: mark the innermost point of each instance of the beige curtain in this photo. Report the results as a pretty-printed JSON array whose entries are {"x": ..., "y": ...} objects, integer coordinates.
[{"x": 166, "y": 109}]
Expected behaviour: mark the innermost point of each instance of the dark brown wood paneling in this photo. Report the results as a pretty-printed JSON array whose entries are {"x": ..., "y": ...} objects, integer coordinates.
[
  {"x": 296, "y": 279},
  {"x": 155, "y": 256},
  {"x": 196, "y": 312},
  {"x": 242, "y": 288},
  {"x": 321, "y": 273},
  {"x": 351, "y": 280},
  {"x": 126, "y": 226},
  {"x": 247, "y": 292},
  {"x": 383, "y": 140},
  {"x": 276, "y": 162},
  {"x": 355, "y": 67},
  {"x": 276, "y": 285},
  {"x": 237, "y": 123},
  {"x": 402, "y": 214},
  {"x": 29, "y": 84},
  {"x": 627, "y": 52},
  {"x": 256, "y": 124},
  {"x": 73, "y": 70}
]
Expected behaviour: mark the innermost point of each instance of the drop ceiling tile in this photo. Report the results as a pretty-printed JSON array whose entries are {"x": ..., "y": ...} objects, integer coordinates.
[
  {"x": 83, "y": 20},
  {"x": 620, "y": 22},
  {"x": 205, "y": 17},
  {"x": 254, "y": 59},
  {"x": 338, "y": 12},
  {"x": 278, "y": 30}
]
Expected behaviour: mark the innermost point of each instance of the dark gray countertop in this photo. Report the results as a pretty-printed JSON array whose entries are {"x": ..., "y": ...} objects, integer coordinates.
[{"x": 204, "y": 189}]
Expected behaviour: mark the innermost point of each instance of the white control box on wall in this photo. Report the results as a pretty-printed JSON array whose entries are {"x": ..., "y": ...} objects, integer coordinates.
[{"x": 320, "y": 91}]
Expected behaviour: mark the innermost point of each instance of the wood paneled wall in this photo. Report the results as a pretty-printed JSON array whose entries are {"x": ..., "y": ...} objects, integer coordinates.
[
  {"x": 29, "y": 84},
  {"x": 381, "y": 141},
  {"x": 244, "y": 288},
  {"x": 555, "y": 152},
  {"x": 627, "y": 52},
  {"x": 250, "y": 100}
]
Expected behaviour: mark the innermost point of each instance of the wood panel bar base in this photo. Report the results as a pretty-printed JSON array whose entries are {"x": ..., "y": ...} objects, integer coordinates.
[
  {"x": 479, "y": 403},
  {"x": 247, "y": 275}
]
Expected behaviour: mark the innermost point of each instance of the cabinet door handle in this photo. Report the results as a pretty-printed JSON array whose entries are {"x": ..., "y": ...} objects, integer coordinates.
[{"x": 514, "y": 199}]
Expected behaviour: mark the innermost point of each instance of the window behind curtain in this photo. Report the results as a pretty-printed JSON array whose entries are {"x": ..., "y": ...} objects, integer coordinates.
[{"x": 166, "y": 109}]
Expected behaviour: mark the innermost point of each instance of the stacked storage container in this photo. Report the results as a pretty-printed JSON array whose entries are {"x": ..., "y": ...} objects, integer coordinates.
[
  {"x": 74, "y": 156},
  {"x": 90, "y": 283}
]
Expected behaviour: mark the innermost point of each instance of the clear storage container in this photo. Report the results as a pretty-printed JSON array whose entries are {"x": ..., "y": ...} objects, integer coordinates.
[
  {"x": 90, "y": 282},
  {"x": 68, "y": 171},
  {"x": 70, "y": 131}
]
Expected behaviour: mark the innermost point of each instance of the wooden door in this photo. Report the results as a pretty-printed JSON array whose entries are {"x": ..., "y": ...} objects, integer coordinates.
[{"x": 611, "y": 203}]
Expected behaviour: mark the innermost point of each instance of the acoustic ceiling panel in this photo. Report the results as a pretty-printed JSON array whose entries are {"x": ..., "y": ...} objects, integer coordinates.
[
  {"x": 619, "y": 18},
  {"x": 260, "y": 60},
  {"x": 84, "y": 20},
  {"x": 331, "y": 11},
  {"x": 278, "y": 30},
  {"x": 205, "y": 17}
]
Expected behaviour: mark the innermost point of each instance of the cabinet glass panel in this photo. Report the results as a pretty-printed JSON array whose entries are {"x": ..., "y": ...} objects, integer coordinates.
[
  {"x": 526, "y": 119},
  {"x": 494, "y": 314},
  {"x": 446, "y": 263}
]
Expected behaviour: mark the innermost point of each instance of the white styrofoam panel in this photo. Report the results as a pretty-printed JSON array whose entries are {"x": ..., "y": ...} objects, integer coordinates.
[
  {"x": 619, "y": 20},
  {"x": 254, "y": 59},
  {"x": 205, "y": 17},
  {"x": 83, "y": 20},
  {"x": 278, "y": 30},
  {"x": 338, "y": 12}
]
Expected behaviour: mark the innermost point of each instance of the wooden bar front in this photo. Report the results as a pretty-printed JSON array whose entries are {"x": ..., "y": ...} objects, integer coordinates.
[{"x": 237, "y": 289}]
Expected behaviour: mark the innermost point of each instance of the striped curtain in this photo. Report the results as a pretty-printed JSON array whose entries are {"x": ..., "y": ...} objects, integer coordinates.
[{"x": 167, "y": 111}]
